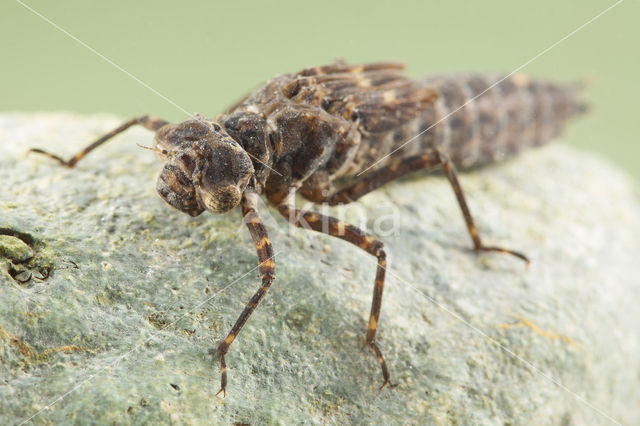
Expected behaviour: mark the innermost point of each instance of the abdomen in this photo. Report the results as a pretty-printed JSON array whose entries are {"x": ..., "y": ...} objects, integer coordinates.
[{"x": 476, "y": 121}]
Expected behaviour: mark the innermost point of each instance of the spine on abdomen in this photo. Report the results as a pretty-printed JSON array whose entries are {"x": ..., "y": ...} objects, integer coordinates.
[{"x": 479, "y": 118}]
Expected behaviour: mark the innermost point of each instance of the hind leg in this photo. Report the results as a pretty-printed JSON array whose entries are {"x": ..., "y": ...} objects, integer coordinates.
[{"x": 402, "y": 167}]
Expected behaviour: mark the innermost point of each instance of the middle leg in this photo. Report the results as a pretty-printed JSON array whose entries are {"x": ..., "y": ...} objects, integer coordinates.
[{"x": 367, "y": 242}]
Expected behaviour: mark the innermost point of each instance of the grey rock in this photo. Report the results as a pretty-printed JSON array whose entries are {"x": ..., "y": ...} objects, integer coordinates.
[
  {"x": 14, "y": 249},
  {"x": 124, "y": 329}
]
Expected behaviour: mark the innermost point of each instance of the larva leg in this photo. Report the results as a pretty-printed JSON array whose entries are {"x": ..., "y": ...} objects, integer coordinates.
[
  {"x": 267, "y": 267},
  {"x": 151, "y": 123},
  {"x": 377, "y": 178},
  {"x": 336, "y": 228},
  {"x": 402, "y": 167}
]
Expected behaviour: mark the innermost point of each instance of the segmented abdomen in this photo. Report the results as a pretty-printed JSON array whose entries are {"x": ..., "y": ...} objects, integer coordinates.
[{"x": 481, "y": 118}]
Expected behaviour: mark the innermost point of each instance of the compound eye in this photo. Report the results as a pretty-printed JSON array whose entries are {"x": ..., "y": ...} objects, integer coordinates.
[{"x": 176, "y": 188}]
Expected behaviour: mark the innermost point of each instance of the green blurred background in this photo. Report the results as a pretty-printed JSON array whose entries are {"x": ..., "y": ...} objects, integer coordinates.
[{"x": 203, "y": 55}]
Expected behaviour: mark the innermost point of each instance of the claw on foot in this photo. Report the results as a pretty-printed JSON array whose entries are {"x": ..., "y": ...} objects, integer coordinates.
[
  {"x": 506, "y": 251},
  {"x": 223, "y": 371},
  {"x": 388, "y": 382},
  {"x": 48, "y": 154}
]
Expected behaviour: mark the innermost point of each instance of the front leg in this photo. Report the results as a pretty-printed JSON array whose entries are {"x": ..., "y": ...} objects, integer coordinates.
[
  {"x": 267, "y": 267},
  {"x": 367, "y": 242},
  {"x": 151, "y": 123}
]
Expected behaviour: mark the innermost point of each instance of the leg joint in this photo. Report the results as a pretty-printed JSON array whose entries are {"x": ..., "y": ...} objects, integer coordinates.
[{"x": 223, "y": 347}]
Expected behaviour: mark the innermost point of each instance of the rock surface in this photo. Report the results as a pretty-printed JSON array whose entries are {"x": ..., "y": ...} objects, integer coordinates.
[{"x": 112, "y": 303}]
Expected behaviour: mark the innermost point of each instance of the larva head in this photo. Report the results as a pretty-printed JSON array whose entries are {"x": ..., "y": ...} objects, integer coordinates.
[{"x": 205, "y": 169}]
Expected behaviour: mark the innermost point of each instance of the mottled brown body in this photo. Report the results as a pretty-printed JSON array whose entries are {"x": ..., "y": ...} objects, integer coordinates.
[
  {"x": 335, "y": 133},
  {"x": 333, "y": 122}
]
